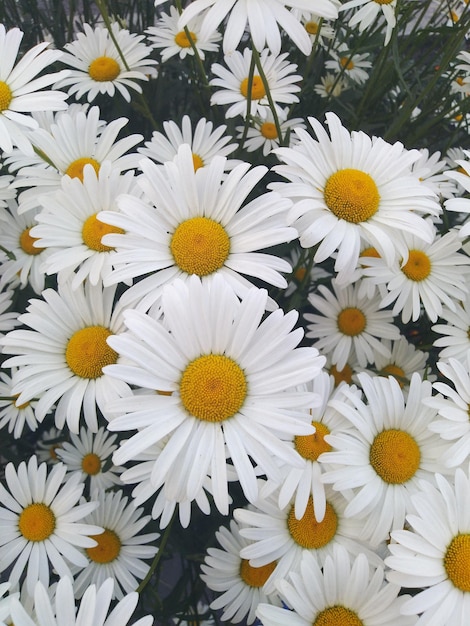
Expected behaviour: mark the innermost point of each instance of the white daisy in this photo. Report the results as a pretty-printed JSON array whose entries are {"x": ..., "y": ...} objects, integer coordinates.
[
  {"x": 101, "y": 67},
  {"x": 347, "y": 326},
  {"x": 239, "y": 585},
  {"x": 331, "y": 85},
  {"x": 433, "y": 555},
  {"x": 319, "y": 29},
  {"x": 229, "y": 378},
  {"x": 368, "y": 14},
  {"x": 352, "y": 66},
  {"x": 42, "y": 524},
  {"x": 8, "y": 319},
  {"x": 387, "y": 453},
  {"x": 12, "y": 415},
  {"x": 262, "y": 133},
  {"x": 462, "y": 177},
  {"x": 199, "y": 227},
  {"x": 234, "y": 83},
  {"x": 47, "y": 444},
  {"x": 62, "y": 354},
  {"x": 349, "y": 190},
  {"x": 430, "y": 168},
  {"x": 5, "y": 601},
  {"x": 454, "y": 327},
  {"x": 173, "y": 39}
]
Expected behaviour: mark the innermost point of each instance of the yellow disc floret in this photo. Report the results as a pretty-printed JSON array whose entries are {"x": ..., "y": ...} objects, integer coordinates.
[
  {"x": 347, "y": 63},
  {"x": 6, "y": 96},
  {"x": 91, "y": 464},
  {"x": 344, "y": 375},
  {"x": 311, "y": 28},
  {"x": 351, "y": 321},
  {"x": 268, "y": 130},
  {"x": 257, "y": 88},
  {"x": 457, "y": 562},
  {"x": 213, "y": 388},
  {"x": 418, "y": 266},
  {"x": 311, "y": 446},
  {"x": 337, "y": 616},
  {"x": 395, "y": 456},
  {"x": 182, "y": 39},
  {"x": 394, "y": 370},
  {"x": 108, "y": 548},
  {"x": 352, "y": 195},
  {"x": 75, "y": 169},
  {"x": 256, "y": 576},
  {"x": 104, "y": 69},
  {"x": 197, "y": 162},
  {"x": 309, "y": 533},
  {"x": 36, "y": 522},
  {"x": 27, "y": 243},
  {"x": 383, "y": 1},
  {"x": 92, "y": 232},
  {"x": 200, "y": 246},
  {"x": 87, "y": 352}
]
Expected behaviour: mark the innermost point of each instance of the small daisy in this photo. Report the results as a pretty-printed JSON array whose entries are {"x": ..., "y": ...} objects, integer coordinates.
[
  {"x": 229, "y": 378},
  {"x": 368, "y": 14},
  {"x": 15, "y": 416},
  {"x": 347, "y": 326},
  {"x": 20, "y": 88},
  {"x": 89, "y": 454},
  {"x": 98, "y": 65},
  {"x": 430, "y": 169},
  {"x": 121, "y": 549},
  {"x": 168, "y": 35},
  {"x": 199, "y": 228},
  {"x": 331, "y": 85},
  {"x": 319, "y": 29},
  {"x": 352, "y": 65},
  {"x": 234, "y": 82},
  {"x": 239, "y": 586},
  {"x": 455, "y": 327},
  {"x": 62, "y": 354},
  {"x": 389, "y": 451},
  {"x": 433, "y": 555},
  {"x": 48, "y": 443},
  {"x": 345, "y": 593},
  {"x": 42, "y": 524},
  {"x": 263, "y": 132}
]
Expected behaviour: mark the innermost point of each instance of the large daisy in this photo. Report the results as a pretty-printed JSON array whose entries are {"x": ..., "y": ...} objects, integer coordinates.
[{"x": 230, "y": 381}]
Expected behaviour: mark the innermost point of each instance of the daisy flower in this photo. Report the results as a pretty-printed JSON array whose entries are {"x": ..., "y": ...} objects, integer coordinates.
[
  {"x": 229, "y": 378},
  {"x": 89, "y": 455},
  {"x": 263, "y": 132},
  {"x": 239, "y": 586},
  {"x": 205, "y": 142},
  {"x": 234, "y": 83},
  {"x": 386, "y": 455},
  {"x": 8, "y": 319},
  {"x": 331, "y": 85},
  {"x": 21, "y": 88},
  {"x": 94, "y": 607},
  {"x": 173, "y": 40},
  {"x": 68, "y": 226},
  {"x": 262, "y": 17},
  {"x": 454, "y": 326},
  {"x": 347, "y": 326},
  {"x": 462, "y": 177},
  {"x": 98, "y": 65},
  {"x": 5, "y": 611},
  {"x": 121, "y": 550},
  {"x": 346, "y": 592},
  {"x": 42, "y": 524},
  {"x": 12, "y": 415},
  {"x": 369, "y": 13},
  {"x": 433, "y": 555},
  {"x": 62, "y": 353},
  {"x": 199, "y": 228},
  {"x": 352, "y": 66},
  {"x": 430, "y": 169},
  {"x": 47, "y": 445},
  {"x": 349, "y": 190},
  {"x": 425, "y": 276},
  {"x": 319, "y": 30}
]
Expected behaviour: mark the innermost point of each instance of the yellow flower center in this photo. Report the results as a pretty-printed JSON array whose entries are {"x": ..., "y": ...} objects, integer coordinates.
[
  {"x": 311, "y": 28},
  {"x": 213, "y": 388},
  {"x": 200, "y": 246},
  {"x": 309, "y": 533},
  {"x": 352, "y": 195},
  {"x": 300, "y": 273},
  {"x": 108, "y": 548},
  {"x": 347, "y": 63},
  {"x": 27, "y": 243},
  {"x": 257, "y": 88},
  {"x": 6, "y": 96},
  {"x": 311, "y": 446},
  {"x": 87, "y": 352},
  {"x": 256, "y": 576},
  {"x": 337, "y": 616},
  {"x": 36, "y": 522},
  {"x": 268, "y": 130},
  {"x": 395, "y": 456},
  {"x": 344, "y": 375},
  {"x": 103, "y": 69},
  {"x": 91, "y": 464},
  {"x": 457, "y": 562},
  {"x": 182, "y": 39},
  {"x": 351, "y": 321},
  {"x": 75, "y": 169},
  {"x": 383, "y": 1},
  {"x": 393, "y": 370},
  {"x": 418, "y": 266},
  {"x": 93, "y": 230},
  {"x": 197, "y": 162}
]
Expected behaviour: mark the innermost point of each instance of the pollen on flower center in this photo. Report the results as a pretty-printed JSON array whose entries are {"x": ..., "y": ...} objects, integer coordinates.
[
  {"x": 337, "y": 616},
  {"x": 6, "y": 96},
  {"x": 342, "y": 375},
  {"x": 347, "y": 63},
  {"x": 457, "y": 562},
  {"x": 351, "y": 321},
  {"x": 197, "y": 162},
  {"x": 309, "y": 533},
  {"x": 352, "y": 195},
  {"x": 36, "y": 522},
  {"x": 91, "y": 464},
  {"x": 108, "y": 548},
  {"x": 103, "y": 69},
  {"x": 75, "y": 169},
  {"x": 92, "y": 232},
  {"x": 213, "y": 388},
  {"x": 395, "y": 456},
  {"x": 268, "y": 130},
  {"x": 311, "y": 446},
  {"x": 182, "y": 39},
  {"x": 311, "y": 28},
  {"x": 257, "y": 88},
  {"x": 256, "y": 576},
  {"x": 27, "y": 243},
  {"x": 418, "y": 266},
  {"x": 200, "y": 246},
  {"x": 87, "y": 352}
]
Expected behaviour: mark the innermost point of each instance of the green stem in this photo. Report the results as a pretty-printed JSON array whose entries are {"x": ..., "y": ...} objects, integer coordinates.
[
  {"x": 158, "y": 556},
  {"x": 272, "y": 106},
  {"x": 248, "y": 102}
]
